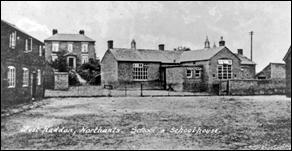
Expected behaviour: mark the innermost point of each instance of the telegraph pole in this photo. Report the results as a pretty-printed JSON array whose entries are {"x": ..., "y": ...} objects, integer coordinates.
[{"x": 251, "y": 34}]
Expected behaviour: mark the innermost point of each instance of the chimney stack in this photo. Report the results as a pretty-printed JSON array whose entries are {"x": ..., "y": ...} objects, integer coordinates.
[
  {"x": 221, "y": 42},
  {"x": 161, "y": 47},
  {"x": 133, "y": 44},
  {"x": 55, "y": 31},
  {"x": 240, "y": 51},
  {"x": 110, "y": 44},
  {"x": 81, "y": 32}
]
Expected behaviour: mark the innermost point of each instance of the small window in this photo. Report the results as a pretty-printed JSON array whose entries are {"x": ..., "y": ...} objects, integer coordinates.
[
  {"x": 84, "y": 59},
  {"x": 70, "y": 47},
  {"x": 55, "y": 47},
  {"x": 25, "y": 77},
  {"x": 12, "y": 40},
  {"x": 197, "y": 73},
  {"x": 54, "y": 57},
  {"x": 11, "y": 77},
  {"x": 39, "y": 77},
  {"x": 189, "y": 73},
  {"x": 84, "y": 47},
  {"x": 40, "y": 50}
]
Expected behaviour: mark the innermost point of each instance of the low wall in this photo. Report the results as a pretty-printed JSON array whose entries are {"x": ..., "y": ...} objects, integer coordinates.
[
  {"x": 257, "y": 87},
  {"x": 61, "y": 81}
]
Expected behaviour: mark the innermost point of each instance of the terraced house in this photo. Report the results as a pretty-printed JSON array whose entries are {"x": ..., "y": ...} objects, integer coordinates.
[
  {"x": 77, "y": 48},
  {"x": 191, "y": 70},
  {"x": 22, "y": 66}
]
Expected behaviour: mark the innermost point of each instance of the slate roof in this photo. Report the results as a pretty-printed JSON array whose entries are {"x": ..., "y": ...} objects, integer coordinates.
[
  {"x": 145, "y": 55},
  {"x": 287, "y": 54},
  {"x": 167, "y": 56},
  {"x": 201, "y": 54},
  {"x": 70, "y": 37},
  {"x": 245, "y": 60},
  {"x": 20, "y": 30}
]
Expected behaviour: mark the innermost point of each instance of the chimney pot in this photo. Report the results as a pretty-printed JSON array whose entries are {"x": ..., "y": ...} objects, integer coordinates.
[
  {"x": 55, "y": 31},
  {"x": 240, "y": 51},
  {"x": 81, "y": 32},
  {"x": 133, "y": 44},
  {"x": 110, "y": 44},
  {"x": 161, "y": 47}
]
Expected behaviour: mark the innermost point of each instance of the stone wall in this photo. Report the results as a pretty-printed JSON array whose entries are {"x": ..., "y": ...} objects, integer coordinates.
[
  {"x": 61, "y": 80},
  {"x": 257, "y": 87},
  {"x": 109, "y": 70}
]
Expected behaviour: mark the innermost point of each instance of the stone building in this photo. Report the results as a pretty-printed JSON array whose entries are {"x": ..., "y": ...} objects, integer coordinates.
[
  {"x": 22, "y": 66},
  {"x": 78, "y": 48},
  {"x": 272, "y": 71},
  {"x": 287, "y": 60},
  {"x": 194, "y": 70}
]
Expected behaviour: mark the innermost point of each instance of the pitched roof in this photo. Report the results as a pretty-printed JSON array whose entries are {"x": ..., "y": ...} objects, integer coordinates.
[
  {"x": 20, "y": 30},
  {"x": 287, "y": 54},
  {"x": 201, "y": 54},
  {"x": 69, "y": 37},
  {"x": 245, "y": 60},
  {"x": 145, "y": 55}
]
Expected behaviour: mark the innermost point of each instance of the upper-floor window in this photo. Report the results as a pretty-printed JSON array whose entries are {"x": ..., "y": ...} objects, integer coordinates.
[
  {"x": 11, "y": 77},
  {"x": 140, "y": 71},
  {"x": 84, "y": 59},
  {"x": 40, "y": 50},
  {"x": 198, "y": 73},
  {"x": 84, "y": 47},
  {"x": 28, "y": 44},
  {"x": 39, "y": 77},
  {"x": 25, "y": 80},
  {"x": 55, "y": 47},
  {"x": 70, "y": 47},
  {"x": 12, "y": 40}
]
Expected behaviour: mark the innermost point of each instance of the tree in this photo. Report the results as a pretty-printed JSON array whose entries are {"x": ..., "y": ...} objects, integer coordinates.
[{"x": 60, "y": 63}]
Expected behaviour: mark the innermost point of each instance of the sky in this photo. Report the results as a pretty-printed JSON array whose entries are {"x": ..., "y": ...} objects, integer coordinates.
[{"x": 159, "y": 22}]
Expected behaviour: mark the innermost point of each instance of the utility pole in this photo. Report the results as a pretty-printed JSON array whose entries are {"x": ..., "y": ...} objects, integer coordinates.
[{"x": 251, "y": 34}]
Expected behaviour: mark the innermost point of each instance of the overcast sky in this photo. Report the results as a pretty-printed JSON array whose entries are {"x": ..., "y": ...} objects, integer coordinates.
[{"x": 171, "y": 23}]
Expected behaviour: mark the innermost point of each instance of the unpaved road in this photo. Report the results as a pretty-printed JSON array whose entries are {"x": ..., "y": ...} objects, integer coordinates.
[{"x": 255, "y": 122}]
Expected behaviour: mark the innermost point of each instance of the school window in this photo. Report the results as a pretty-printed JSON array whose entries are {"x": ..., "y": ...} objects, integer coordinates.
[
  {"x": 140, "y": 71},
  {"x": 84, "y": 59},
  {"x": 189, "y": 73},
  {"x": 12, "y": 40},
  {"x": 40, "y": 50},
  {"x": 224, "y": 71},
  {"x": 25, "y": 80},
  {"x": 70, "y": 47},
  {"x": 197, "y": 73},
  {"x": 39, "y": 77},
  {"x": 11, "y": 77},
  {"x": 84, "y": 47},
  {"x": 55, "y": 47}
]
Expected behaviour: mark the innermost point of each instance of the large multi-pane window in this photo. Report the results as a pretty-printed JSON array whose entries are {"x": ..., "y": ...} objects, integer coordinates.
[
  {"x": 11, "y": 77},
  {"x": 140, "y": 71},
  {"x": 189, "y": 73},
  {"x": 12, "y": 40},
  {"x": 197, "y": 73},
  {"x": 25, "y": 80},
  {"x": 224, "y": 71}
]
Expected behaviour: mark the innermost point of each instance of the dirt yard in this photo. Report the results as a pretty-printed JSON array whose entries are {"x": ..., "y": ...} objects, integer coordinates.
[{"x": 255, "y": 122}]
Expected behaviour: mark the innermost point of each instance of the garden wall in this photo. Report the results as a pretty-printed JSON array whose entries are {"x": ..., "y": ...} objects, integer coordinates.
[{"x": 257, "y": 87}]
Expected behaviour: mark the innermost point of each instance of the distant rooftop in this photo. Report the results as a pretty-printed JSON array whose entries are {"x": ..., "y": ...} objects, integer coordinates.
[{"x": 70, "y": 37}]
